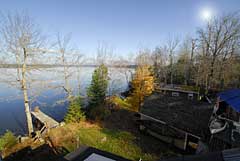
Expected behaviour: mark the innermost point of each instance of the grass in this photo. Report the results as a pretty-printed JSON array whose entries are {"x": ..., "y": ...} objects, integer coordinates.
[
  {"x": 118, "y": 134},
  {"x": 130, "y": 145},
  {"x": 7, "y": 140},
  {"x": 118, "y": 142},
  {"x": 9, "y": 144}
]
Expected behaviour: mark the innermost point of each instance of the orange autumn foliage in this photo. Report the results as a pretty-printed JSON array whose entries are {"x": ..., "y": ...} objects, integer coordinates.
[{"x": 142, "y": 86}]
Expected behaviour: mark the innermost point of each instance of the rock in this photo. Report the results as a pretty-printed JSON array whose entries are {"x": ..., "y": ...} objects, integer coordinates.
[
  {"x": 61, "y": 123},
  {"x": 23, "y": 139},
  {"x": 104, "y": 139}
]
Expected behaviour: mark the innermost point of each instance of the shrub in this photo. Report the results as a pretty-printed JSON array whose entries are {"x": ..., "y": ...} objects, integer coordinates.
[
  {"x": 7, "y": 140},
  {"x": 75, "y": 113}
]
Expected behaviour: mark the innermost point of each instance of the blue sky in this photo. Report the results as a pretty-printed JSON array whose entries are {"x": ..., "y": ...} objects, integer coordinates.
[{"x": 125, "y": 25}]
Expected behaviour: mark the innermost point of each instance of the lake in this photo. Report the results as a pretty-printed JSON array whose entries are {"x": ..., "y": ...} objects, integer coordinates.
[{"x": 46, "y": 91}]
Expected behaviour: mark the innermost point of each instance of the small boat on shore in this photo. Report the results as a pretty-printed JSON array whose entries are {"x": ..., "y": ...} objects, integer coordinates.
[{"x": 224, "y": 124}]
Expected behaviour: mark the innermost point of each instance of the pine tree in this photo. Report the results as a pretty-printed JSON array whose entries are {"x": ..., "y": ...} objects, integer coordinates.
[
  {"x": 142, "y": 86},
  {"x": 98, "y": 88},
  {"x": 74, "y": 114}
]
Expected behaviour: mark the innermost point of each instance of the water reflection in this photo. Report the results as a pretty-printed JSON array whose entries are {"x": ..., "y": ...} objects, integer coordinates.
[{"x": 50, "y": 95}]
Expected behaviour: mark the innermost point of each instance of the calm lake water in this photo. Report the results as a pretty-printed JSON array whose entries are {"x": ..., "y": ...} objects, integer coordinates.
[{"x": 46, "y": 92}]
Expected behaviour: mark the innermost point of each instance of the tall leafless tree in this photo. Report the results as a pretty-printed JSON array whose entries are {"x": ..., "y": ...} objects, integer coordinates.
[
  {"x": 22, "y": 40},
  {"x": 171, "y": 46},
  {"x": 218, "y": 42},
  {"x": 160, "y": 59},
  {"x": 67, "y": 57}
]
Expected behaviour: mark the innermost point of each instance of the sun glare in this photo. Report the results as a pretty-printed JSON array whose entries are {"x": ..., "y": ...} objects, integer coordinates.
[{"x": 206, "y": 14}]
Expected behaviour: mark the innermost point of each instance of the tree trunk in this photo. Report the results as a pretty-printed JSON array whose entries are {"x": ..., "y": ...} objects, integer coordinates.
[
  {"x": 26, "y": 102},
  {"x": 171, "y": 70},
  {"x": 190, "y": 63},
  {"x": 65, "y": 71}
]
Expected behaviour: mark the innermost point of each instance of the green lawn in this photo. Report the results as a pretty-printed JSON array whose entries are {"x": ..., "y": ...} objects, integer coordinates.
[{"x": 118, "y": 142}]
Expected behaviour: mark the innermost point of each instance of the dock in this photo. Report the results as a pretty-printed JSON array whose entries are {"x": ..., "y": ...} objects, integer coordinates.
[
  {"x": 43, "y": 118},
  {"x": 44, "y": 123}
]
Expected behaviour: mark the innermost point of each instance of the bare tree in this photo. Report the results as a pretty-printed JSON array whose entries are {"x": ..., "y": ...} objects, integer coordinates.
[
  {"x": 62, "y": 45},
  {"x": 105, "y": 55},
  {"x": 189, "y": 50},
  {"x": 124, "y": 66},
  {"x": 160, "y": 59},
  {"x": 171, "y": 46},
  {"x": 21, "y": 41},
  {"x": 79, "y": 61},
  {"x": 189, "y": 70},
  {"x": 218, "y": 42},
  {"x": 68, "y": 57}
]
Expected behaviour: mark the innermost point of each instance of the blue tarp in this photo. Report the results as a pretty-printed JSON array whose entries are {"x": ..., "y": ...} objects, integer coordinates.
[{"x": 231, "y": 97}]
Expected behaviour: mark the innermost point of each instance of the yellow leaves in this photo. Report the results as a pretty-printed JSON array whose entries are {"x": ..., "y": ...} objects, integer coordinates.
[{"x": 142, "y": 85}]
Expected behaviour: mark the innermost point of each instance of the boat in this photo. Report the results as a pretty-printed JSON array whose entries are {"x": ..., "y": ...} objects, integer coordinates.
[{"x": 224, "y": 124}]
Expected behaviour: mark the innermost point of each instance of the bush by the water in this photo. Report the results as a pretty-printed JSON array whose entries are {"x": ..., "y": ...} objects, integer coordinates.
[
  {"x": 7, "y": 140},
  {"x": 75, "y": 113}
]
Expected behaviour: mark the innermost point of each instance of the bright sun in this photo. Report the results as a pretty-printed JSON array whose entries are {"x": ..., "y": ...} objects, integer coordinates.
[{"x": 206, "y": 14}]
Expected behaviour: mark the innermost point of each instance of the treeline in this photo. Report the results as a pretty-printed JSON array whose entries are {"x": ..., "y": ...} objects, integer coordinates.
[
  {"x": 58, "y": 65},
  {"x": 210, "y": 60}
]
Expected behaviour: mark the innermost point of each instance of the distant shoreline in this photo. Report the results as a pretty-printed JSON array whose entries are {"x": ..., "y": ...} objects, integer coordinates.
[{"x": 58, "y": 65}]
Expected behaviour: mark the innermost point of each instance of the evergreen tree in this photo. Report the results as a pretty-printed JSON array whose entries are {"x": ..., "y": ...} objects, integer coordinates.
[
  {"x": 74, "y": 114},
  {"x": 98, "y": 88}
]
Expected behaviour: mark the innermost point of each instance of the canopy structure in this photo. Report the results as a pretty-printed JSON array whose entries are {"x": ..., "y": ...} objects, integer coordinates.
[{"x": 231, "y": 97}]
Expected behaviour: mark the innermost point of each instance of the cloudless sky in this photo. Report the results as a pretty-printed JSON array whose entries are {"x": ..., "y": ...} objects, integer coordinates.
[{"x": 125, "y": 25}]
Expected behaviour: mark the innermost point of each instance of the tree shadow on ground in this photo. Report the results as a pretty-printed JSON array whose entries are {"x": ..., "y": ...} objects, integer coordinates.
[
  {"x": 125, "y": 120},
  {"x": 43, "y": 152}
]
